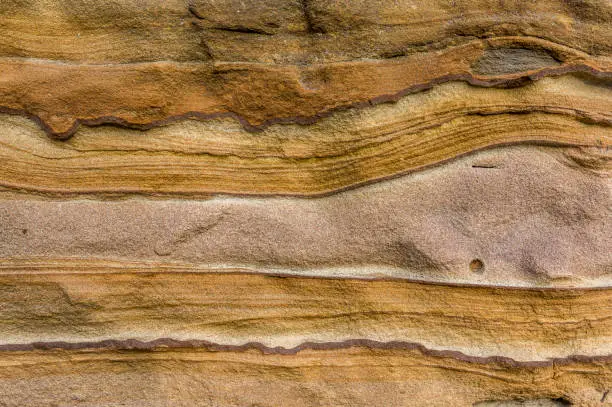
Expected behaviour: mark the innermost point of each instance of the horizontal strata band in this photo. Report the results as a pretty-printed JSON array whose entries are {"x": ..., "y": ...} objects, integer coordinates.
[
  {"x": 195, "y": 159},
  {"x": 144, "y": 95},
  {"x": 505, "y": 216},
  {"x": 402, "y": 376},
  {"x": 285, "y": 31},
  {"x": 283, "y": 313}
]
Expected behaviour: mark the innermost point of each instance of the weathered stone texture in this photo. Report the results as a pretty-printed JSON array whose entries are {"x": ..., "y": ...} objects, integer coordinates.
[{"x": 305, "y": 203}]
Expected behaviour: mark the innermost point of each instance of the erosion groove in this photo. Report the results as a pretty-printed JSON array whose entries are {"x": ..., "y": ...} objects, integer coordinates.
[{"x": 306, "y": 203}]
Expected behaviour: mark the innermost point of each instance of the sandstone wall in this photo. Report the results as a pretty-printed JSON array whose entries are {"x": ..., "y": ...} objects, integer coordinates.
[{"x": 305, "y": 203}]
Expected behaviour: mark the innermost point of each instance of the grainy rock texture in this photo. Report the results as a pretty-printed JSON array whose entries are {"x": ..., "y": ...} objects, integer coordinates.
[{"x": 305, "y": 203}]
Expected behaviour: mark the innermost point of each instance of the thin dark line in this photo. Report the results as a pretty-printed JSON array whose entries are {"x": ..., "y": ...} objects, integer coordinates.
[{"x": 169, "y": 343}]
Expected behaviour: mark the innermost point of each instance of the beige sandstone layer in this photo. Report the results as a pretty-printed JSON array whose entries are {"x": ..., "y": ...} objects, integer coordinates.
[
  {"x": 193, "y": 158},
  {"x": 73, "y": 309},
  {"x": 340, "y": 376},
  {"x": 531, "y": 215}
]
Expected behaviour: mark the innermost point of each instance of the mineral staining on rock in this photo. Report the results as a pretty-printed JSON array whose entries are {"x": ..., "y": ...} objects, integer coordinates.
[
  {"x": 340, "y": 151},
  {"x": 305, "y": 202},
  {"x": 327, "y": 375},
  {"x": 144, "y": 63}
]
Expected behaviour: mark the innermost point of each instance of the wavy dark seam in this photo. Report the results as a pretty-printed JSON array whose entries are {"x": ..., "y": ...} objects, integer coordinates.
[
  {"x": 169, "y": 343},
  {"x": 511, "y": 82}
]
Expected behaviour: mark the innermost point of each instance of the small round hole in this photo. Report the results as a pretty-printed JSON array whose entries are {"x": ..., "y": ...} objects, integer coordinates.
[{"x": 476, "y": 266}]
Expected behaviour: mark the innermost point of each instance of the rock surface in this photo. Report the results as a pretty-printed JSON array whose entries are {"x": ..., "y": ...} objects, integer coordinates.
[
  {"x": 305, "y": 202},
  {"x": 520, "y": 210}
]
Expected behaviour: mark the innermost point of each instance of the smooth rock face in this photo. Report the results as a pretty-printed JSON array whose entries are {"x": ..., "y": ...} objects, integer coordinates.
[{"x": 305, "y": 202}]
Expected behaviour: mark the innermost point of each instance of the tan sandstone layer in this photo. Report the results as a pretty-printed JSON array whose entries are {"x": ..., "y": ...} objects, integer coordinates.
[
  {"x": 73, "y": 309},
  {"x": 142, "y": 63},
  {"x": 346, "y": 149},
  {"x": 342, "y": 375}
]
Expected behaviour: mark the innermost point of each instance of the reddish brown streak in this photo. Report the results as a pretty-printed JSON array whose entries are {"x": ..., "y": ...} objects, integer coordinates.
[
  {"x": 169, "y": 343},
  {"x": 504, "y": 82}
]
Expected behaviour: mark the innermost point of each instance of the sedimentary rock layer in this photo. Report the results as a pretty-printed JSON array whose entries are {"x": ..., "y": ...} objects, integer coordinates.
[
  {"x": 343, "y": 150},
  {"x": 305, "y": 202},
  {"x": 287, "y": 31},
  {"x": 343, "y": 375},
  {"x": 285, "y": 312},
  {"x": 529, "y": 216},
  {"x": 285, "y": 60}
]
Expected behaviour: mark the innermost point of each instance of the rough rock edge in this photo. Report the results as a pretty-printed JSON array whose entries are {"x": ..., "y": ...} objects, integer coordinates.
[{"x": 509, "y": 81}]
